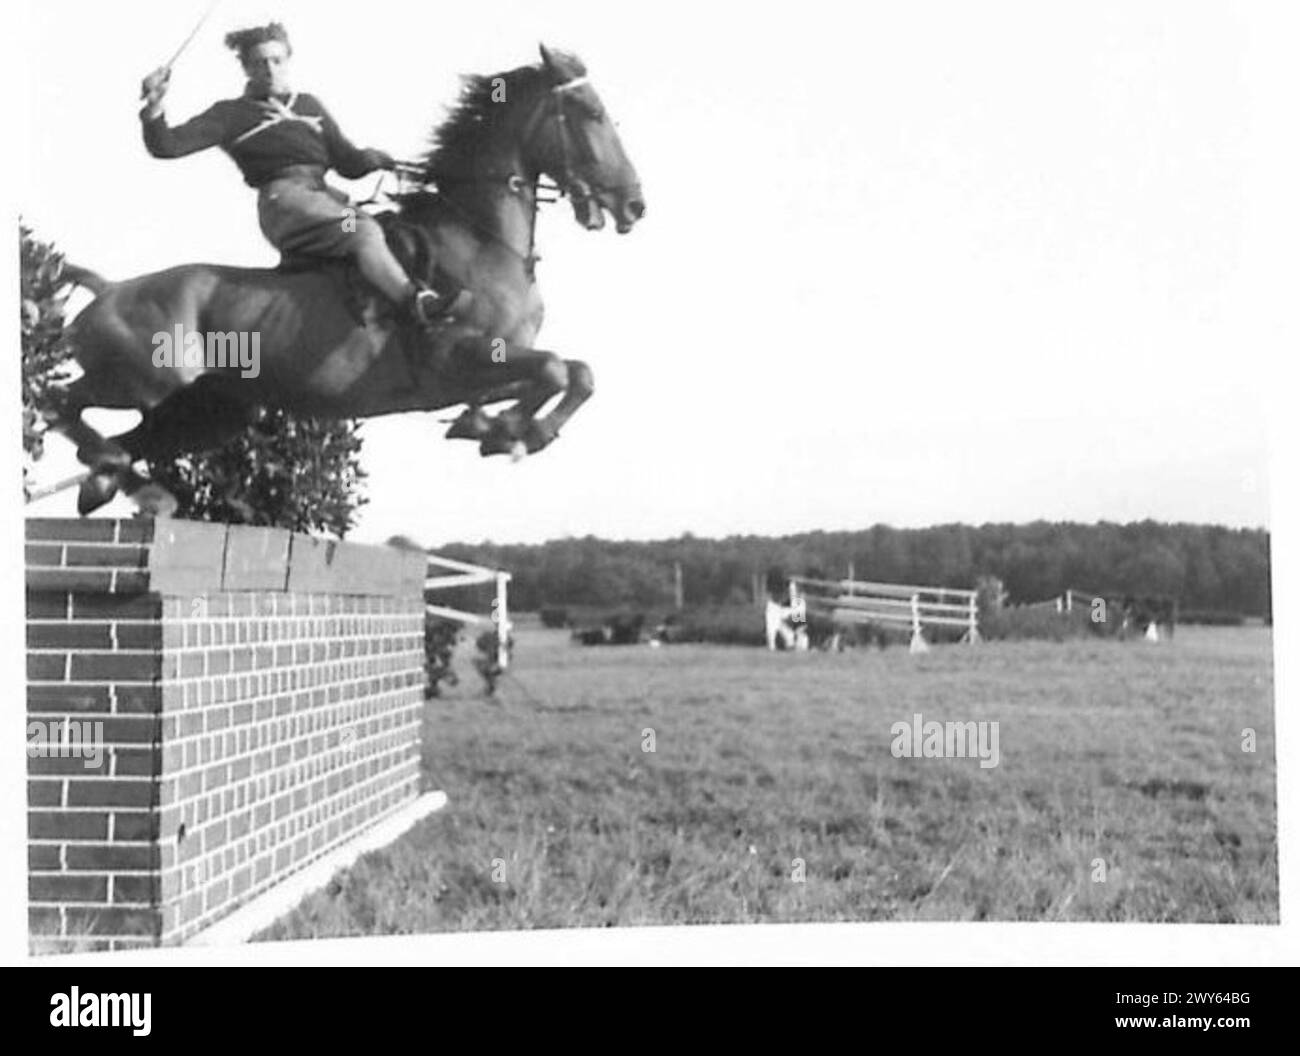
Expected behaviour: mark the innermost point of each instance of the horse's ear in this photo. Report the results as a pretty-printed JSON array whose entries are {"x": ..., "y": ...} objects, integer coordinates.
[{"x": 560, "y": 64}]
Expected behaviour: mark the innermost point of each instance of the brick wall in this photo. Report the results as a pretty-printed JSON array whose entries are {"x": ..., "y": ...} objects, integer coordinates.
[{"x": 256, "y": 695}]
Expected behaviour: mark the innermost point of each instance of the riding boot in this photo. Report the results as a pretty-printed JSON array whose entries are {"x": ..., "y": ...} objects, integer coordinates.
[
  {"x": 431, "y": 307},
  {"x": 428, "y": 309},
  {"x": 422, "y": 311}
]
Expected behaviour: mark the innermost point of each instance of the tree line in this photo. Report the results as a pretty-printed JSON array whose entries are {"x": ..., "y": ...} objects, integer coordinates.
[{"x": 1205, "y": 567}]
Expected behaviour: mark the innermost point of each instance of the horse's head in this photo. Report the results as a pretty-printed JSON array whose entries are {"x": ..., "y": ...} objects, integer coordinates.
[{"x": 574, "y": 142}]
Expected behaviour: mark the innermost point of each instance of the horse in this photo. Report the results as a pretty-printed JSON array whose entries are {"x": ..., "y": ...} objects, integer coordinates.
[{"x": 467, "y": 214}]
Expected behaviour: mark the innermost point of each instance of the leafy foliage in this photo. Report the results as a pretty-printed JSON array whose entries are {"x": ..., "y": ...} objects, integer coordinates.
[
  {"x": 44, "y": 351},
  {"x": 719, "y": 624},
  {"x": 487, "y": 661},
  {"x": 1211, "y": 618},
  {"x": 283, "y": 471},
  {"x": 1041, "y": 621},
  {"x": 440, "y": 638}
]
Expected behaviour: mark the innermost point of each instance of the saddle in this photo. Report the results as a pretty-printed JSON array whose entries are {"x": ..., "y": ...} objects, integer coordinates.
[{"x": 413, "y": 249}]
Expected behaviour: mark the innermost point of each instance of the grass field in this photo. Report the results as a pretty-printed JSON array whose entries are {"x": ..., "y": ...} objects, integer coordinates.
[{"x": 1122, "y": 756}]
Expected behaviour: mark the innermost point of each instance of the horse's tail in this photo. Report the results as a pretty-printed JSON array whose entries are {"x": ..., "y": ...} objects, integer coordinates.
[{"x": 80, "y": 276}]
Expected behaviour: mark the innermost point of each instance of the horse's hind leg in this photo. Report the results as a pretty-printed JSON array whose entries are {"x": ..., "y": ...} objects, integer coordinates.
[
  {"x": 66, "y": 406},
  {"x": 195, "y": 419},
  {"x": 108, "y": 462}
]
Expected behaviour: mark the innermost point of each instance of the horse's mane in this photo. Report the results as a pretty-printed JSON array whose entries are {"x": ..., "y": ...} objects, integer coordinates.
[{"x": 455, "y": 141}]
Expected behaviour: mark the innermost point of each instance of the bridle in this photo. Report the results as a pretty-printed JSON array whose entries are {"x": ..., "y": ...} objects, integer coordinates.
[{"x": 569, "y": 184}]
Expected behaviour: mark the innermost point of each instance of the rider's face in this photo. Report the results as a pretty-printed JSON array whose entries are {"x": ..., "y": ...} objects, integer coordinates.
[{"x": 267, "y": 67}]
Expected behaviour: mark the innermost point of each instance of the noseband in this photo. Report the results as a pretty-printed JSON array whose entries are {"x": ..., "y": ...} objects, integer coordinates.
[{"x": 570, "y": 183}]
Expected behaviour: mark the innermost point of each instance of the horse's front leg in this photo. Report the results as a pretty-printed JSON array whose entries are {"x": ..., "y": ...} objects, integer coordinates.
[
  {"x": 577, "y": 391},
  {"x": 492, "y": 370}
]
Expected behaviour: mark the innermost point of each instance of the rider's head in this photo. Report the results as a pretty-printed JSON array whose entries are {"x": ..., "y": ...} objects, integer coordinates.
[{"x": 264, "y": 53}]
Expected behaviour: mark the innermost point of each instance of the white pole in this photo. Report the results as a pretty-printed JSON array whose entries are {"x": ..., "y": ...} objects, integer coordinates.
[
  {"x": 62, "y": 485},
  {"x": 798, "y": 609},
  {"x": 503, "y": 621},
  {"x": 918, "y": 639}
]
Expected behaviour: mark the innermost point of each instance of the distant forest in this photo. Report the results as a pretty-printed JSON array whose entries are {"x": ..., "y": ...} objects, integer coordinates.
[{"x": 1203, "y": 566}]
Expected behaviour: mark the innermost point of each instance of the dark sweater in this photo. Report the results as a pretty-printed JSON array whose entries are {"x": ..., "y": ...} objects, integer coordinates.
[{"x": 260, "y": 138}]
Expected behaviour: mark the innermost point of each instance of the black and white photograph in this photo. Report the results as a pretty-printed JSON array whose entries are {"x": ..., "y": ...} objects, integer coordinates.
[{"x": 564, "y": 482}]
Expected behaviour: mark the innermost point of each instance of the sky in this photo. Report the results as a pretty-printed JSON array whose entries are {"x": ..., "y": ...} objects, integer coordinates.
[{"x": 907, "y": 264}]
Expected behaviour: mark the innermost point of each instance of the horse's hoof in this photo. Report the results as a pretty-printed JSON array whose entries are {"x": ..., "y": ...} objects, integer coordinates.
[
  {"x": 507, "y": 432},
  {"x": 518, "y": 450},
  {"x": 95, "y": 491},
  {"x": 497, "y": 445},
  {"x": 154, "y": 501},
  {"x": 473, "y": 424},
  {"x": 539, "y": 436}
]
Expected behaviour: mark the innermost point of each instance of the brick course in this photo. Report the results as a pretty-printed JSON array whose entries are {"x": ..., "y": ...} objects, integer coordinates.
[{"x": 258, "y": 693}]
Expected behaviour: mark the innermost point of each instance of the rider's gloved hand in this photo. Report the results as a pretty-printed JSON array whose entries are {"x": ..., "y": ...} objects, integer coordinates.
[
  {"x": 154, "y": 87},
  {"x": 380, "y": 159}
]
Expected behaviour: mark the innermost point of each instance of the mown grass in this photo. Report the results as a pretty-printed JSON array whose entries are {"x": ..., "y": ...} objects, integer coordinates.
[{"x": 1130, "y": 753}]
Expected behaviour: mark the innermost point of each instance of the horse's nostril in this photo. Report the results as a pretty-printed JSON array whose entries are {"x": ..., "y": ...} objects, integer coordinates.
[{"x": 635, "y": 209}]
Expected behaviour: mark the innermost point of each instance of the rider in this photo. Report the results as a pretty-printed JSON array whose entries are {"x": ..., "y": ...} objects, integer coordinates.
[{"x": 283, "y": 142}]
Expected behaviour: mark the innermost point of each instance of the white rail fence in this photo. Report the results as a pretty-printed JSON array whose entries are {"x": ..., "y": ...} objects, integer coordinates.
[
  {"x": 464, "y": 574},
  {"x": 1065, "y": 602},
  {"x": 852, "y": 601}
]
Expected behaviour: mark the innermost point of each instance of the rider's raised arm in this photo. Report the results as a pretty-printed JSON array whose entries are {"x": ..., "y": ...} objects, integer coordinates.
[
  {"x": 347, "y": 158},
  {"x": 208, "y": 129}
]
